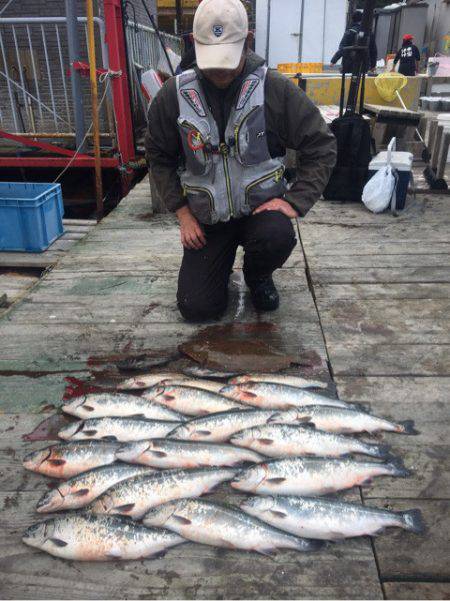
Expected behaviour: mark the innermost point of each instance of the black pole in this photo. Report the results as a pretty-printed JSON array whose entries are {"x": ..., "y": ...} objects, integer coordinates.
[
  {"x": 155, "y": 27},
  {"x": 179, "y": 16}
]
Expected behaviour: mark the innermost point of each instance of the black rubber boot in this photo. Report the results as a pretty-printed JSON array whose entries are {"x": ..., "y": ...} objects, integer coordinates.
[{"x": 264, "y": 295}]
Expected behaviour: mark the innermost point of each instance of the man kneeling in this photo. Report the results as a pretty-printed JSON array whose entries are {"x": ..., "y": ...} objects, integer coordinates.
[{"x": 216, "y": 141}]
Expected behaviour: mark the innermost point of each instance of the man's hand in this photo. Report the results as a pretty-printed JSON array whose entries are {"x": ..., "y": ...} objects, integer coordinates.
[
  {"x": 277, "y": 204},
  {"x": 192, "y": 234}
]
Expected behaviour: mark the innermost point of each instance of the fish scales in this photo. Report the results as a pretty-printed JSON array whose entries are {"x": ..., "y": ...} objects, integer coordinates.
[
  {"x": 81, "y": 490},
  {"x": 148, "y": 380},
  {"x": 172, "y": 454},
  {"x": 192, "y": 401},
  {"x": 286, "y": 379},
  {"x": 134, "y": 497},
  {"x": 119, "y": 405},
  {"x": 277, "y": 396},
  {"x": 348, "y": 421},
  {"x": 219, "y": 427},
  {"x": 198, "y": 383},
  {"x": 219, "y": 525},
  {"x": 283, "y": 440},
  {"x": 328, "y": 519},
  {"x": 119, "y": 429},
  {"x": 306, "y": 476},
  {"x": 83, "y": 537},
  {"x": 70, "y": 459}
]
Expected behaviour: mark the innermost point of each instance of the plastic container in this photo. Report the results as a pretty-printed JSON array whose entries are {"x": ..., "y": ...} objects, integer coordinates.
[
  {"x": 402, "y": 161},
  {"x": 293, "y": 68},
  {"x": 30, "y": 216}
]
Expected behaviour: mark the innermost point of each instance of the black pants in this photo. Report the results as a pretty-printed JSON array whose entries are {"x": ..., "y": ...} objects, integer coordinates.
[{"x": 268, "y": 239}]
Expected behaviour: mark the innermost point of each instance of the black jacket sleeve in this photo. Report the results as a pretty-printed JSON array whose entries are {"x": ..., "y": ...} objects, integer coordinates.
[{"x": 397, "y": 56}]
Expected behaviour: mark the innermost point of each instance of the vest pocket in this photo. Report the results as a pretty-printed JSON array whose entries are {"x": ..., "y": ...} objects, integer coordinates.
[
  {"x": 201, "y": 203},
  {"x": 265, "y": 188},
  {"x": 198, "y": 160}
]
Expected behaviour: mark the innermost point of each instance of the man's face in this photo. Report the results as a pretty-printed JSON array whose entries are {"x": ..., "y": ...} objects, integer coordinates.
[{"x": 222, "y": 78}]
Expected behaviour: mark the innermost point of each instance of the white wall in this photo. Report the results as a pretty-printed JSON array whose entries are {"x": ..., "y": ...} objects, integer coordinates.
[{"x": 322, "y": 29}]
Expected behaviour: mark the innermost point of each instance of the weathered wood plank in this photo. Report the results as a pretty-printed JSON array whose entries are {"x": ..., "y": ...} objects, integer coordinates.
[
  {"x": 382, "y": 275},
  {"x": 398, "y": 292},
  {"x": 417, "y": 590},
  {"x": 401, "y": 554}
]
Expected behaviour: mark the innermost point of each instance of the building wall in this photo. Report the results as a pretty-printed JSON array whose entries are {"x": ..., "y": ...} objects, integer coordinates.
[{"x": 438, "y": 27}]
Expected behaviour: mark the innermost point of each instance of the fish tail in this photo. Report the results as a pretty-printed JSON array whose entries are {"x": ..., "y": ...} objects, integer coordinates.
[
  {"x": 413, "y": 520},
  {"x": 380, "y": 451},
  {"x": 397, "y": 468},
  {"x": 308, "y": 545},
  {"x": 407, "y": 427}
]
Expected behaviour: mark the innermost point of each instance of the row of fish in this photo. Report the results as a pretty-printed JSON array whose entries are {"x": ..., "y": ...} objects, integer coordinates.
[{"x": 263, "y": 434}]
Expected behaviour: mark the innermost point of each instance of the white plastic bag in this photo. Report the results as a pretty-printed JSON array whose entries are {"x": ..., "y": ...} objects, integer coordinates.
[{"x": 379, "y": 192}]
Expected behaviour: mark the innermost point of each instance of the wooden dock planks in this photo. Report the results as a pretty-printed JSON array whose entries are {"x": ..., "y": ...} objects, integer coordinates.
[{"x": 381, "y": 286}]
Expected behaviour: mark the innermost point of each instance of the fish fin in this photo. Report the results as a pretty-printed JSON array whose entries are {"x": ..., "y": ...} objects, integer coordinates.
[
  {"x": 81, "y": 493},
  {"x": 308, "y": 425},
  {"x": 327, "y": 491},
  {"x": 398, "y": 468},
  {"x": 204, "y": 432},
  {"x": 157, "y": 555},
  {"x": 88, "y": 408},
  {"x": 246, "y": 394},
  {"x": 266, "y": 441},
  {"x": 90, "y": 432},
  {"x": 168, "y": 397},
  {"x": 276, "y": 480},
  {"x": 367, "y": 482},
  {"x": 114, "y": 554},
  {"x": 181, "y": 520},
  {"x": 157, "y": 453},
  {"x": 413, "y": 521},
  {"x": 305, "y": 420},
  {"x": 57, "y": 462},
  {"x": 125, "y": 508},
  {"x": 407, "y": 427},
  {"x": 58, "y": 542},
  {"x": 336, "y": 535},
  {"x": 268, "y": 552},
  {"x": 278, "y": 514}
]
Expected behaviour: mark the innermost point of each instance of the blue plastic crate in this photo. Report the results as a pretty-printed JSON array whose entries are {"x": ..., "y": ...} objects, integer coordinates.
[{"x": 30, "y": 216}]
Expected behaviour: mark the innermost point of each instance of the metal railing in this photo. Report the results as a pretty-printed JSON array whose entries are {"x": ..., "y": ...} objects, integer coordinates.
[
  {"x": 145, "y": 49},
  {"x": 35, "y": 87}
]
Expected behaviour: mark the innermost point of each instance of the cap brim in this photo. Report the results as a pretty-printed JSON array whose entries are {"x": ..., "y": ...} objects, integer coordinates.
[{"x": 218, "y": 56}]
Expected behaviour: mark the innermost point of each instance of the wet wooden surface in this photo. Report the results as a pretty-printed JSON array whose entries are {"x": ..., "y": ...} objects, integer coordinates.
[
  {"x": 114, "y": 293},
  {"x": 381, "y": 285}
]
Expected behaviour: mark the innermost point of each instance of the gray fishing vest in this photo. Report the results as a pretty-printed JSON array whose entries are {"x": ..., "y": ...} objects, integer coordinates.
[{"x": 227, "y": 180}]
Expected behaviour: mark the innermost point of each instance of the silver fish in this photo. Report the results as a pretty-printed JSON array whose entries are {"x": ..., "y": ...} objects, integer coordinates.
[
  {"x": 327, "y": 519},
  {"x": 197, "y": 371},
  {"x": 148, "y": 380},
  {"x": 136, "y": 496},
  {"x": 219, "y": 427},
  {"x": 303, "y": 476},
  {"x": 191, "y": 401},
  {"x": 277, "y": 396},
  {"x": 172, "y": 454},
  {"x": 84, "y": 537},
  {"x": 286, "y": 379},
  {"x": 119, "y": 405},
  {"x": 198, "y": 383},
  {"x": 121, "y": 429},
  {"x": 284, "y": 440},
  {"x": 70, "y": 459},
  {"x": 348, "y": 421},
  {"x": 81, "y": 490},
  {"x": 219, "y": 525}
]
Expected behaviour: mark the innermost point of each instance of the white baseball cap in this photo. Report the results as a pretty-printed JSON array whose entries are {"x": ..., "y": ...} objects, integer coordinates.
[{"x": 220, "y": 31}]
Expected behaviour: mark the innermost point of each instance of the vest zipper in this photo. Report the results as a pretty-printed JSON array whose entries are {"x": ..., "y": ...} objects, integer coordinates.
[
  {"x": 276, "y": 175},
  {"x": 186, "y": 188},
  {"x": 237, "y": 129},
  {"x": 223, "y": 148}
]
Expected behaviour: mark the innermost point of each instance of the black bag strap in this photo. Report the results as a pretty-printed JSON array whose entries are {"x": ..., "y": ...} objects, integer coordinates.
[
  {"x": 362, "y": 94},
  {"x": 342, "y": 99}
]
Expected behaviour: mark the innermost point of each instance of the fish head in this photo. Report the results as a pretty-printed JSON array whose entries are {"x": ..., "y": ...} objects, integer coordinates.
[
  {"x": 132, "y": 384},
  {"x": 159, "y": 515},
  {"x": 53, "y": 500},
  {"x": 132, "y": 450},
  {"x": 33, "y": 461},
  {"x": 284, "y": 417},
  {"x": 37, "y": 534},
  {"x": 249, "y": 479},
  {"x": 104, "y": 504},
  {"x": 70, "y": 430},
  {"x": 82, "y": 407},
  {"x": 257, "y": 505},
  {"x": 249, "y": 434},
  {"x": 182, "y": 432}
]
